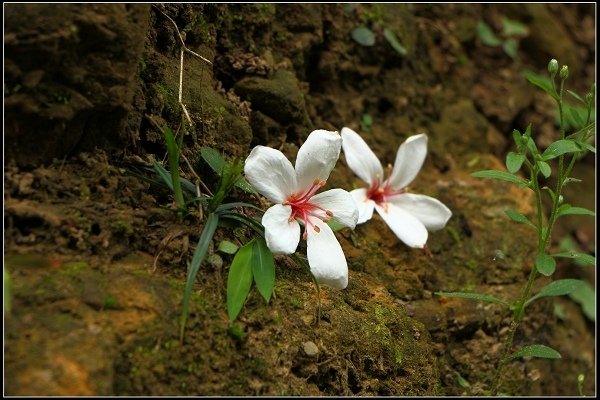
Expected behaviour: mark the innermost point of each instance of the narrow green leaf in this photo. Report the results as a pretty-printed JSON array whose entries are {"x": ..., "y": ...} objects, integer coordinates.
[
  {"x": 394, "y": 42},
  {"x": 518, "y": 217},
  {"x": 213, "y": 158},
  {"x": 227, "y": 247},
  {"x": 587, "y": 146},
  {"x": 263, "y": 268},
  {"x": 535, "y": 350},
  {"x": 531, "y": 146},
  {"x": 229, "y": 206},
  {"x": 243, "y": 184},
  {"x": 545, "y": 264},
  {"x": 174, "y": 153},
  {"x": 501, "y": 175},
  {"x": 542, "y": 82},
  {"x": 335, "y": 226},
  {"x": 363, "y": 36},
  {"x": 559, "y": 148},
  {"x": 576, "y": 96},
  {"x": 580, "y": 258},
  {"x": 574, "y": 211},
  {"x": 205, "y": 238},
  {"x": 245, "y": 220},
  {"x": 239, "y": 280},
  {"x": 577, "y": 118},
  {"x": 544, "y": 168},
  {"x": 473, "y": 296},
  {"x": 514, "y": 161},
  {"x": 486, "y": 35},
  {"x": 163, "y": 174},
  {"x": 557, "y": 288}
]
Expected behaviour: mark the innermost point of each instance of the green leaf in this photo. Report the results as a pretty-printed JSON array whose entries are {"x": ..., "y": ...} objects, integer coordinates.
[
  {"x": 216, "y": 162},
  {"x": 514, "y": 161},
  {"x": 510, "y": 47},
  {"x": 501, "y": 175},
  {"x": 227, "y": 247},
  {"x": 163, "y": 174},
  {"x": 205, "y": 238},
  {"x": 517, "y": 137},
  {"x": 587, "y": 146},
  {"x": 577, "y": 118},
  {"x": 580, "y": 258},
  {"x": 576, "y": 96},
  {"x": 486, "y": 35},
  {"x": 243, "y": 184},
  {"x": 213, "y": 158},
  {"x": 586, "y": 297},
  {"x": 542, "y": 82},
  {"x": 263, "y": 268},
  {"x": 513, "y": 28},
  {"x": 393, "y": 41},
  {"x": 544, "y": 168},
  {"x": 557, "y": 288},
  {"x": 545, "y": 264},
  {"x": 363, "y": 36},
  {"x": 531, "y": 146},
  {"x": 473, "y": 296},
  {"x": 535, "y": 350},
  {"x": 239, "y": 280},
  {"x": 335, "y": 226},
  {"x": 174, "y": 152},
  {"x": 518, "y": 217},
  {"x": 559, "y": 148},
  {"x": 567, "y": 209}
]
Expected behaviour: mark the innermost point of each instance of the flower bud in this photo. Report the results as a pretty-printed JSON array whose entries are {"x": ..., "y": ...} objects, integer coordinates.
[
  {"x": 553, "y": 67},
  {"x": 564, "y": 72},
  {"x": 589, "y": 98},
  {"x": 580, "y": 378}
]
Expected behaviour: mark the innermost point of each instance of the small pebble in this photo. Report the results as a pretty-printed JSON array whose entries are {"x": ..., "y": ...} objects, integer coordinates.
[{"x": 310, "y": 349}]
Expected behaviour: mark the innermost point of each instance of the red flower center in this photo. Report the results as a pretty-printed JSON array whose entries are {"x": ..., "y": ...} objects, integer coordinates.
[
  {"x": 303, "y": 209},
  {"x": 379, "y": 192}
]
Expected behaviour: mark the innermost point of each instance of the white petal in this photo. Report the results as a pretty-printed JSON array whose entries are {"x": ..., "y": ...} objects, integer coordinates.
[
  {"x": 325, "y": 256},
  {"x": 431, "y": 212},
  {"x": 281, "y": 234},
  {"x": 317, "y": 157},
  {"x": 340, "y": 203},
  {"x": 407, "y": 227},
  {"x": 409, "y": 160},
  {"x": 365, "y": 205},
  {"x": 271, "y": 173},
  {"x": 360, "y": 158}
]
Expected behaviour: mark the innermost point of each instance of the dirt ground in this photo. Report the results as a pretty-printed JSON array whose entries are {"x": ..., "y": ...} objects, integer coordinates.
[{"x": 98, "y": 257}]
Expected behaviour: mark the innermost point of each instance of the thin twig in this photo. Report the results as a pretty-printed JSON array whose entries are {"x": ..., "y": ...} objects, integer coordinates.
[
  {"x": 181, "y": 37},
  {"x": 196, "y": 175}
]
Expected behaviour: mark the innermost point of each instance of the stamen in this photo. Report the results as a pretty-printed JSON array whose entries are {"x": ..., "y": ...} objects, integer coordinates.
[
  {"x": 317, "y": 229},
  {"x": 305, "y": 235},
  {"x": 329, "y": 213}
]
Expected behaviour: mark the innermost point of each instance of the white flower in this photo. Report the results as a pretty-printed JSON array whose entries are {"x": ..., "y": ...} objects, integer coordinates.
[
  {"x": 408, "y": 215},
  {"x": 294, "y": 192}
]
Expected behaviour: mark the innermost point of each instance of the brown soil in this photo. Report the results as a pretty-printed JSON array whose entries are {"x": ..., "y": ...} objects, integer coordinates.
[{"x": 98, "y": 257}]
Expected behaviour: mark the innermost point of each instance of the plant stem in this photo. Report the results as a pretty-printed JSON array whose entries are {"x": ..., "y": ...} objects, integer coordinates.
[{"x": 544, "y": 236}]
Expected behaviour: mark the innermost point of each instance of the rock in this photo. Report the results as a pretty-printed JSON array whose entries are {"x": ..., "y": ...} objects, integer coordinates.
[
  {"x": 310, "y": 349},
  {"x": 72, "y": 76}
]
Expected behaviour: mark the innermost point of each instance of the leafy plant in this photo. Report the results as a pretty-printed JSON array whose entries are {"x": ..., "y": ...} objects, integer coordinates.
[
  {"x": 512, "y": 32},
  {"x": 366, "y": 37},
  {"x": 564, "y": 151}
]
